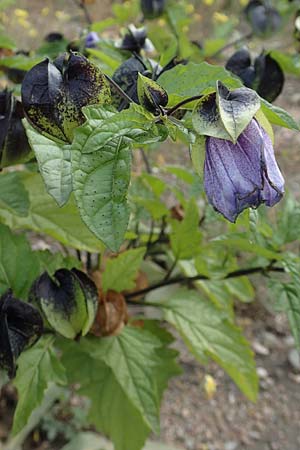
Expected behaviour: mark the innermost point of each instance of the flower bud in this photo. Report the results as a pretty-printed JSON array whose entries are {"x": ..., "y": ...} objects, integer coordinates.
[
  {"x": 152, "y": 8},
  {"x": 150, "y": 94},
  {"x": 69, "y": 303},
  {"x": 54, "y": 93},
  {"x": 262, "y": 17},
  {"x": 91, "y": 40},
  {"x": 14, "y": 146},
  {"x": 21, "y": 325},
  {"x": 136, "y": 40},
  {"x": 264, "y": 75}
]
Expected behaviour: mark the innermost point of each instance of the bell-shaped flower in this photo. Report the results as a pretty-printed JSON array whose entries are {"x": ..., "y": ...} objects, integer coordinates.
[
  {"x": 21, "y": 325},
  {"x": 14, "y": 146},
  {"x": 242, "y": 175},
  {"x": 240, "y": 169},
  {"x": 136, "y": 40},
  {"x": 264, "y": 75},
  {"x": 69, "y": 302},
  {"x": 53, "y": 94},
  {"x": 92, "y": 40}
]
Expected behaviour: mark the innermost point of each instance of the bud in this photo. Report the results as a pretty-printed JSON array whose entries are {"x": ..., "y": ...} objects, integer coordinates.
[
  {"x": 152, "y": 8},
  {"x": 126, "y": 76},
  {"x": 262, "y": 17},
  {"x": 69, "y": 303},
  {"x": 92, "y": 40},
  {"x": 54, "y": 93},
  {"x": 150, "y": 94},
  {"x": 21, "y": 325},
  {"x": 264, "y": 75},
  {"x": 136, "y": 40},
  {"x": 14, "y": 146}
]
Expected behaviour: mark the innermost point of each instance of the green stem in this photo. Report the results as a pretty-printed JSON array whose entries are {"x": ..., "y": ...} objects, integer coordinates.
[{"x": 170, "y": 111}]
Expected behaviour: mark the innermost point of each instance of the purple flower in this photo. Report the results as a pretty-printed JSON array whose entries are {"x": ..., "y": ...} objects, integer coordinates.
[
  {"x": 242, "y": 175},
  {"x": 91, "y": 40}
]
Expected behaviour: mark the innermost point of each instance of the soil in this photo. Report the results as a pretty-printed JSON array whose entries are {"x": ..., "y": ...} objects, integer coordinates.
[{"x": 189, "y": 419}]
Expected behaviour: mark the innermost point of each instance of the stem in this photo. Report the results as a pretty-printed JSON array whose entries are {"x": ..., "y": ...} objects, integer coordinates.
[
  {"x": 170, "y": 271},
  {"x": 245, "y": 37},
  {"x": 183, "y": 102},
  {"x": 118, "y": 89},
  {"x": 146, "y": 161},
  {"x": 183, "y": 279},
  {"x": 88, "y": 262},
  {"x": 78, "y": 254},
  {"x": 81, "y": 4}
]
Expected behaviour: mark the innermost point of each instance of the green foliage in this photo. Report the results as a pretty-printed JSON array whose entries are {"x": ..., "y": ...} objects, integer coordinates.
[
  {"x": 120, "y": 272},
  {"x": 13, "y": 195},
  {"x": 37, "y": 369},
  {"x": 207, "y": 333},
  {"x": 127, "y": 375}
]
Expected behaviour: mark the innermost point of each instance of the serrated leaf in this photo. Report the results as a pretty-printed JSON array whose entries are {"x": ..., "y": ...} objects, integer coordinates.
[
  {"x": 44, "y": 216},
  {"x": 37, "y": 368},
  {"x": 133, "y": 125},
  {"x": 194, "y": 79},
  {"x": 241, "y": 288},
  {"x": 18, "y": 264},
  {"x": 206, "y": 331},
  {"x": 288, "y": 224},
  {"x": 54, "y": 162},
  {"x": 124, "y": 424},
  {"x": 239, "y": 243},
  {"x": 185, "y": 236},
  {"x": 278, "y": 116},
  {"x": 120, "y": 272},
  {"x": 100, "y": 183},
  {"x": 13, "y": 194},
  {"x": 125, "y": 374},
  {"x": 236, "y": 108}
]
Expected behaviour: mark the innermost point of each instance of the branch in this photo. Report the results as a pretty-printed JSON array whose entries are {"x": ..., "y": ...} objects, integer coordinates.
[
  {"x": 245, "y": 37},
  {"x": 185, "y": 280},
  {"x": 119, "y": 90},
  {"x": 82, "y": 5},
  {"x": 170, "y": 111}
]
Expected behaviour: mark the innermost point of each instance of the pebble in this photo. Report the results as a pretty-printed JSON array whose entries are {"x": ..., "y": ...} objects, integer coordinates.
[
  {"x": 260, "y": 349},
  {"x": 271, "y": 340},
  {"x": 262, "y": 372},
  {"x": 294, "y": 359},
  {"x": 231, "y": 445}
]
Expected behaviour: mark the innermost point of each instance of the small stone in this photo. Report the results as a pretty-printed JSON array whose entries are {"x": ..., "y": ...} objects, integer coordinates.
[
  {"x": 231, "y": 445},
  {"x": 294, "y": 359},
  {"x": 254, "y": 435},
  {"x": 262, "y": 372},
  {"x": 289, "y": 341},
  {"x": 271, "y": 340},
  {"x": 260, "y": 349}
]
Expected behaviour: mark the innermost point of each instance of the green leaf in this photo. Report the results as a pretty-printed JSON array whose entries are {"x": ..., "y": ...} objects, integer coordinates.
[
  {"x": 120, "y": 272},
  {"x": 126, "y": 375},
  {"x": 288, "y": 63},
  {"x": 18, "y": 264},
  {"x": 236, "y": 108},
  {"x": 194, "y": 79},
  {"x": 37, "y": 368},
  {"x": 288, "y": 224},
  {"x": 186, "y": 236},
  {"x": 51, "y": 262},
  {"x": 241, "y": 288},
  {"x": 44, "y": 216},
  {"x": 239, "y": 243},
  {"x": 20, "y": 62},
  {"x": 207, "y": 332},
  {"x": 123, "y": 424},
  {"x": 54, "y": 164},
  {"x": 6, "y": 41},
  {"x": 100, "y": 183},
  {"x": 133, "y": 125},
  {"x": 13, "y": 195},
  {"x": 278, "y": 116}
]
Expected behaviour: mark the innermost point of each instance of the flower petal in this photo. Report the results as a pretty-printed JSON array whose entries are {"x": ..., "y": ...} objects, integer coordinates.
[
  {"x": 273, "y": 180},
  {"x": 233, "y": 172}
]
